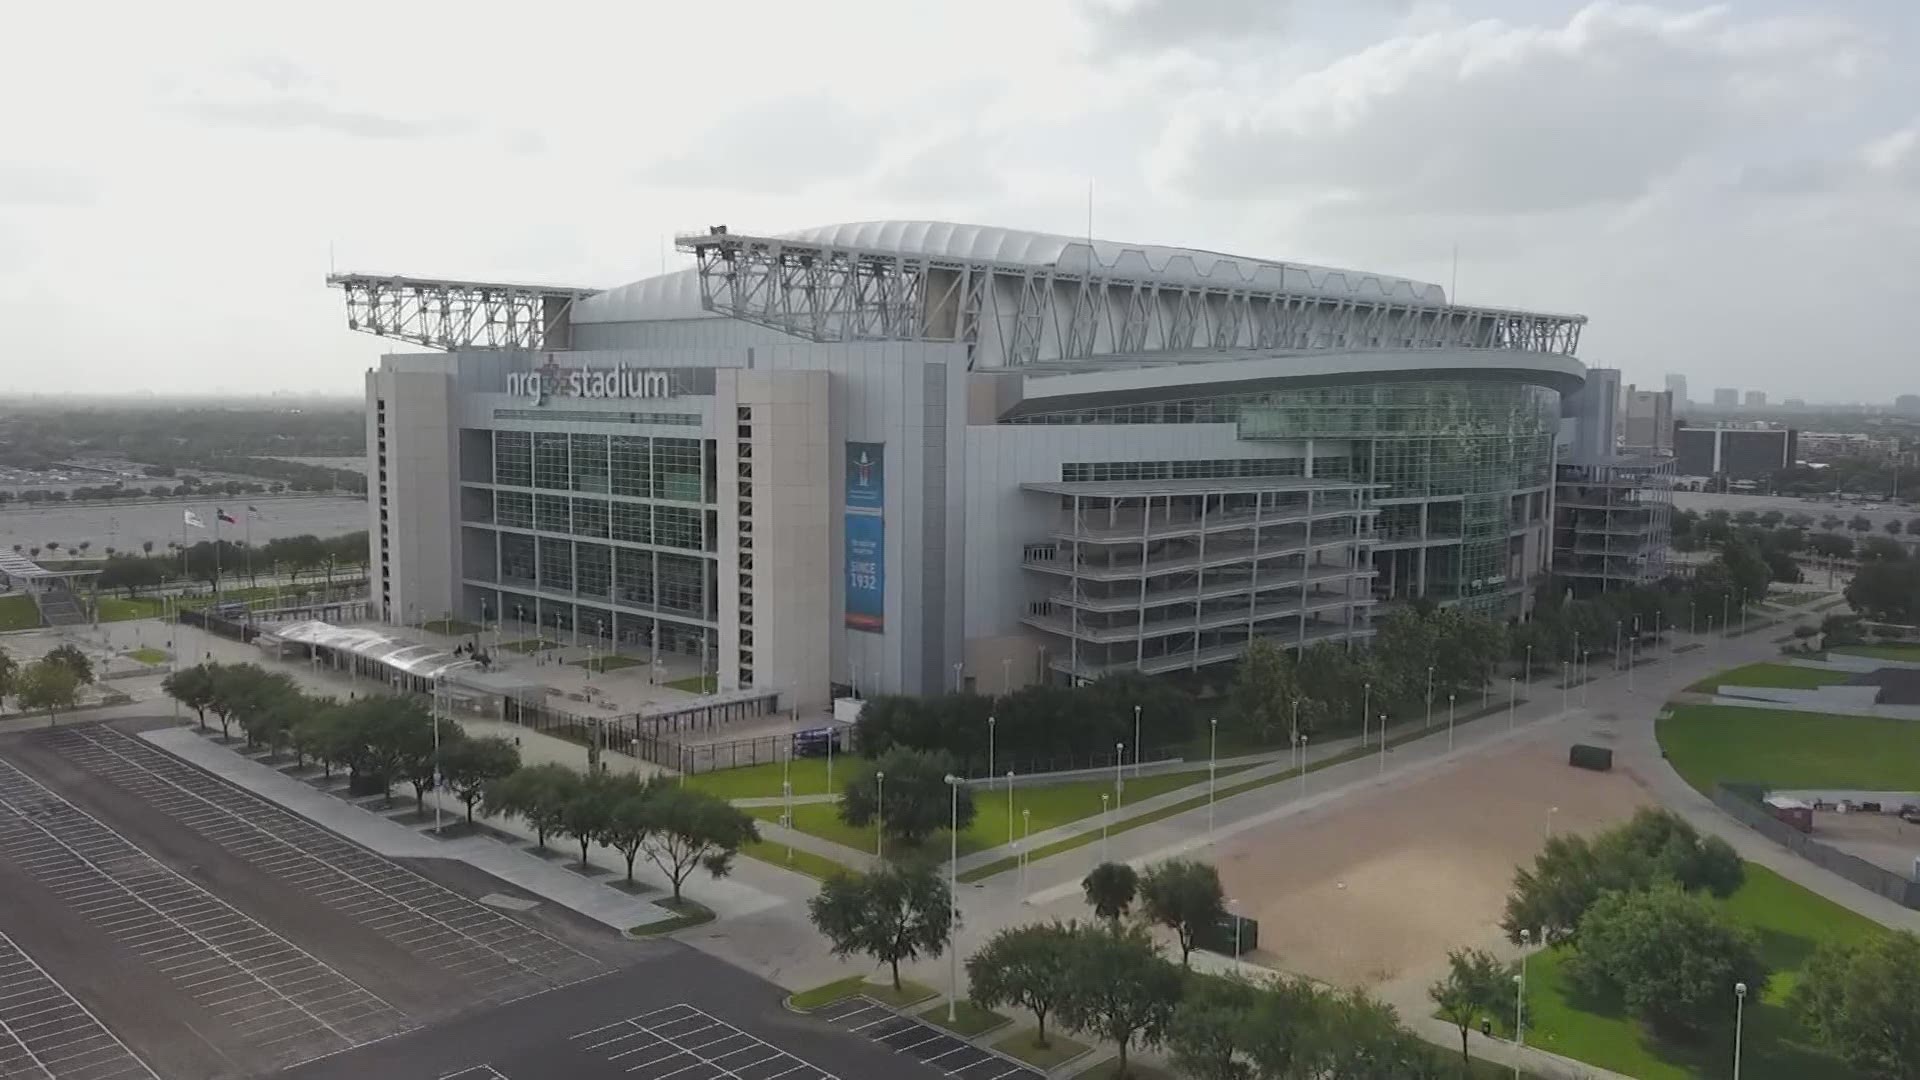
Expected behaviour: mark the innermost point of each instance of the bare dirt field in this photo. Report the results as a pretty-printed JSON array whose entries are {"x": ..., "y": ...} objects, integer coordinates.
[
  {"x": 1881, "y": 839},
  {"x": 1365, "y": 890}
]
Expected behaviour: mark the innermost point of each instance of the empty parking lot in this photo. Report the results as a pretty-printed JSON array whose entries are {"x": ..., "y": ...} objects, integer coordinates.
[
  {"x": 45, "y": 1032},
  {"x": 924, "y": 1042}
]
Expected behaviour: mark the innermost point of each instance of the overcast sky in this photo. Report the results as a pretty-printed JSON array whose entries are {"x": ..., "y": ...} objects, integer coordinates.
[{"x": 1731, "y": 191}]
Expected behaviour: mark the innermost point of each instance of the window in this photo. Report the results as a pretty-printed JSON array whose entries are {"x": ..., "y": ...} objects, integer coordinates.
[
  {"x": 550, "y": 513},
  {"x": 516, "y": 559},
  {"x": 633, "y": 522},
  {"x": 590, "y": 517},
  {"x": 629, "y": 473},
  {"x": 556, "y": 564},
  {"x": 593, "y": 569},
  {"x": 513, "y": 509},
  {"x": 589, "y": 462},
  {"x": 513, "y": 458},
  {"x": 676, "y": 526},
  {"x": 633, "y": 572},
  {"x": 550, "y": 468},
  {"x": 683, "y": 584},
  {"x": 677, "y": 470}
]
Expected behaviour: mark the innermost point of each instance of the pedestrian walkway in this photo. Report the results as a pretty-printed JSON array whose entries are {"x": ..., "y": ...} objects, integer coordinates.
[{"x": 537, "y": 876}]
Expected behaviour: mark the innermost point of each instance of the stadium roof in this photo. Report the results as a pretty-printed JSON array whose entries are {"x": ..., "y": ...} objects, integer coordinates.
[{"x": 677, "y": 295}]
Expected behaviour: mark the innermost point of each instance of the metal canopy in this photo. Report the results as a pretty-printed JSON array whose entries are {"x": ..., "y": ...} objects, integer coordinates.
[{"x": 443, "y": 313}]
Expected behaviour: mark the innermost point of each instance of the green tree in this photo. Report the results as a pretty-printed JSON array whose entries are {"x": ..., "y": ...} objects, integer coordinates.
[
  {"x": 75, "y": 661},
  {"x": 1282, "y": 1028},
  {"x": 892, "y": 913},
  {"x": 1886, "y": 590},
  {"x": 1026, "y": 966},
  {"x": 918, "y": 799},
  {"x": 1475, "y": 984},
  {"x": 1110, "y": 889},
  {"x": 1571, "y": 872},
  {"x": 1892, "y": 526},
  {"x": 47, "y": 684},
  {"x": 536, "y": 793},
  {"x": 471, "y": 764},
  {"x": 259, "y": 703},
  {"x": 1670, "y": 956},
  {"x": 1208, "y": 1035},
  {"x": 1184, "y": 896},
  {"x": 1264, "y": 691},
  {"x": 1124, "y": 991},
  {"x": 129, "y": 573},
  {"x": 1859, "y": 1000},
  {"x": 693, "y": 829},
  {"x": 588, "y": 812},
  {"x": 9, "y": 675},
  {"x": 326, "y": 735},
  {"x": 630, "y": 820}
]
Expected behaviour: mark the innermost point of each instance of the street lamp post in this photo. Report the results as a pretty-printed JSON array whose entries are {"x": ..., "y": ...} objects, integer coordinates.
[
  {"x": 1520, "y": 997},
  {"x": 1739, "y": 1023},
  {"x": 1366, "y": 710},
  {"x": 1026, "y": 845},
  {"x": 1213, "y": 749},
  {"x": 1451, "y": 698},
  {"x": 1726, "y": 601},
  {"x": 1551, "y": 810},
  {"x": 1630, "y": 647},
  {"x": 953, "y": 893},
  {"x": 1513, "y": 699},
  {"x": 958, "y": 682},
  {"x": 991, "y": 724},
  {"x": 1232, "y": 906},
  {"x": 1303, "y": 765},
  {"x": 1136, "y": 741},
  {"x": 786, "y": 793},
  {"x": 1429, "y": 722},
  {"x": 1294, "y": 728},
  {"x": 1119, "y": 783},
  {"x": 1009, "y": 806},
  {"x": 1564, "y": 678},
  {"x": 880, "y": 815},
  {"x": 1383, "y": 744},
  {"x": 1586, "y": 674},
  {"x": 439, "y": 681},
  {"x": 1104, "y": 847},
  {"x": 1526, "y": 667}
]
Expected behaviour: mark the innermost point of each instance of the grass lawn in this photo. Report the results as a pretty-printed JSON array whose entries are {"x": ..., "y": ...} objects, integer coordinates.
[
  {"x": 808, "y": 775},
  {"x": 149, "y": 655},
  {"x": 969, "y": 1019},
  {"x": 1708, "y": 743},
  {"x": 1054, "y": 804},
  {"x": 803, "y": 862},
  {"x": 1059, "y": 1048},
  {"x": 882, "y": 991},
  {"x": 1881, "y": 652},
  {"x": 1790, "y": 921},
  {"x": 827, "y": 994},
  {"x": 696, "y": 684},
  {"x": 1783, "y": 676},
  {"x": 609, "y": 663},
  {"x": 450, "y": 627},
  {"x": 17, "y": 612},
  {"x": 120, "y": 609},
  {"x": 685, "y": 913}
]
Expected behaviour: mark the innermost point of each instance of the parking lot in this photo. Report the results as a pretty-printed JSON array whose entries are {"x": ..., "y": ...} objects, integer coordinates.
[
  {"x": 45, "y": 1032},
  {"x": 687, "y": 1043},
  {"x": 924, "y": 1042},
  {"x": 489, "y": 954}
]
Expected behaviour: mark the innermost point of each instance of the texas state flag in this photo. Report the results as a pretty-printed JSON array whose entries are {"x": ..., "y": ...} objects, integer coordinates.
[{"x": 226, "y": 517}]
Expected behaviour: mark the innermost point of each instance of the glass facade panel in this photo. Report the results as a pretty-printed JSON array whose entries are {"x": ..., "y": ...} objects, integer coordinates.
[
  {"x": 683, "y": 584},
  {"x": 589, "y": 462},
  {"x": 516, "y": 559},
  {"x": 675, "y": 526},
  {"x": 513, "y": 509},
  {"x": 550, "y": 513},
  {"x": 556, "y": 564},
  {"x": 593, "y": 570},
  {"x": 633, "y": 575},
  {"x": 677, "y": 470},
  {"x": 633, "y": 522},
  {"x": 513, "y": 458},
  {"x": 630, "y": 457},
  {"x": 590, "y": 517},
  {"x": 550, "y": 469},
  {"x": 1180, "y": 470}
]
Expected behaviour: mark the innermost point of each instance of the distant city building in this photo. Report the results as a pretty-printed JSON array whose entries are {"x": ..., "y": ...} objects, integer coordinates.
[
  {"x": 1734, "y": 453},
  {"x": 1796, "y": 403},
  {"x": 1726, "y": 398},
  {"x": 1907, "y": 404},
  {"x": 1826, "y": 445},
  {"x": 1647, "y": 422},
  {"x": 1756, "y": 399},
  {"x": 1589, "y": 418},
  {"x": 1677, "y": 386},
  {"x": 1612, "y": 521}
]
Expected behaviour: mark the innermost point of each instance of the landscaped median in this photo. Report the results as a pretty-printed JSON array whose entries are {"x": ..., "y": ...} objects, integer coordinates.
[
  {"x": 1771, "y": 675},
  {"x": 686, "y": 913},
  {"x": 909, "y": 994},
  {"x": 1708, "y": 744}
]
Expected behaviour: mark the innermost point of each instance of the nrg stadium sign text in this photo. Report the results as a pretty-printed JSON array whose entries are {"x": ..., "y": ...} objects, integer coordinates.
[{"x": 550, "y": 380}]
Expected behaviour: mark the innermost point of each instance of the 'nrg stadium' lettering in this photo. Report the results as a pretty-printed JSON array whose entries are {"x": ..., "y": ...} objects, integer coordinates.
[{"x": 550, "y": 380}]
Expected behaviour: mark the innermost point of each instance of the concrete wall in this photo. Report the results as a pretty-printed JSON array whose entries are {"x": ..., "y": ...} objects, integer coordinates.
[{"x": 416, "y": 558}]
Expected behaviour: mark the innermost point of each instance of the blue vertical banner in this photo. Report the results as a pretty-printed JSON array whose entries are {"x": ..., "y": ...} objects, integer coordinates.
[{"x": 866, "y": 530}]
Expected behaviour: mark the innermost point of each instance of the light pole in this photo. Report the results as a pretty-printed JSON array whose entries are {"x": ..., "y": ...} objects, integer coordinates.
[
  {"x": 1551, "y": 810},
  {"x": 786, "y": 793},
  {"x": 833, "y": 736},
  {"x": 957, "y": 683},
  {"x": 1520, "y": 997},
  {"x": 1513, "y": 698},
  {"x": 1136, "y": 741},
  {"x": 1450, "y": 703},
  {"x": 1119, "y": 784},
  {"x": 1564, "y": 677},
  {"x": 1690, "y": 623},
  {"x": 1739, "y": 1023},
  {"x": 1366, "y": 710},
  {"x": 1526, "y": 667},
  {"x": 1213, "y": 749},
  {"x": 1630, "y": 648},
  {"x": 1104, "y": 848},
  {"x": 953, "y": 892},
  {"x": 991, "y": 724},
  {"x": 1009, "y": 806},
  {"x": 1429, "y": 695},
  {"x": 1726, "y": 600},
  {"x": 1303, "y": 765},
  {"x": 1586, "y": 673},
  {"x": 1383, "y": 744},
  {"x": 1295, "y": 727},
  {"x": 1232, "y": 905},
  {"x": 1006, "y": 677},
  {"x": 880, "y": 815},
  {"x": 1026, "y": 845},
  {"x": 439, "y": 680},
  {"x": 1616, "y": 644}
]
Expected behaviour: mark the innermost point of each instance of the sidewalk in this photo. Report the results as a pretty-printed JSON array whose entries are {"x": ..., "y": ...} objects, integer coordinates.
[{"x": 537, "y": 876}]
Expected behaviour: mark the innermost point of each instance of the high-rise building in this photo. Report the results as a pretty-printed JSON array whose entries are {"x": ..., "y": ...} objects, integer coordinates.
[
  {"x": 910, "y": 454},
  {"x": 1611, "y": 508},
  {"x": 1735, "y": 453},
  {"x": 1756, "y": 399},
  {"x": 1907, "y": 404},
  {"x": 1677, "y": 386},
  {"x": 1646, "y": 425},
  {"x": 1726, "y": 398}
]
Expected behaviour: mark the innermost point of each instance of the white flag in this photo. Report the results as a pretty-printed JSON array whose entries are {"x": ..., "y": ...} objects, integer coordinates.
[{"x": 193, "y": 519}]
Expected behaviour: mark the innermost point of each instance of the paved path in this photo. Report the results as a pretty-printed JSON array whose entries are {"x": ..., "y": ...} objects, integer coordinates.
[{"x": 539, "y": 877}]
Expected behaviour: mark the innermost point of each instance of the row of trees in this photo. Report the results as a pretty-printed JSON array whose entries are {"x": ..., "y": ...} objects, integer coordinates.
[
  {"x": 384, "y": 739},
  {"x": 189, "y": 487},
  {"x": 294, "y": 555},
  {"x": 1109, "y": 979},
  {"x": 52, "y": 682}
]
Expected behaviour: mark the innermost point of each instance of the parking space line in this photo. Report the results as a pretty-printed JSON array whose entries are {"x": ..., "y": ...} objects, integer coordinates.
[
  {"x": 922, "y": 1041},
  {"x": 692, "y": 1039},
  {"x": 52, "y": 1052}
]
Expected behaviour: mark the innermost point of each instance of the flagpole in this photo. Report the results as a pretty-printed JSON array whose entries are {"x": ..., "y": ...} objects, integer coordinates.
[
  {"x": 216, "y": 556},
  {"x": 249, "y": 555}
]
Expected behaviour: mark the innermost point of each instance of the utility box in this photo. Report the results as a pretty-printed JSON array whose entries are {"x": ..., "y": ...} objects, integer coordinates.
[
  {"x": 1791, "y": 811},
  {"x": 1219, "y": 938},
  {"x": 1597, "y": 758}
]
